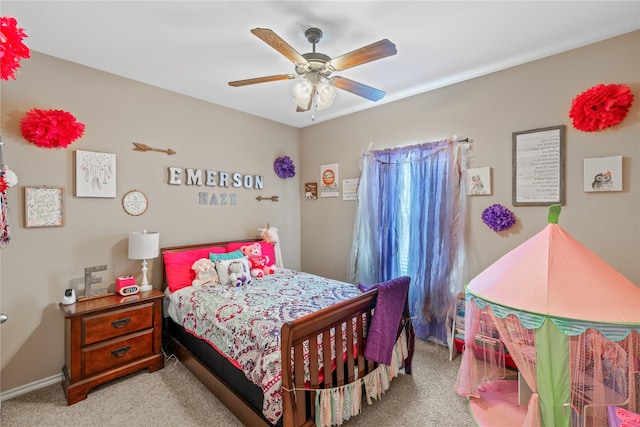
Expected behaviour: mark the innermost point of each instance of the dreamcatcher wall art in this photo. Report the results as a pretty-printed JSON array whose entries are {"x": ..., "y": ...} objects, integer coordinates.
[{"x": 95, "y": 174}]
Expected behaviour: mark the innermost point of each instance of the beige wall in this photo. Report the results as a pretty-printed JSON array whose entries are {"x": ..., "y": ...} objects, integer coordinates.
[
  {"x": 487, "y": 110},
  {"x": 316, "y": 235},
  {"x": 40, "y": 263}
]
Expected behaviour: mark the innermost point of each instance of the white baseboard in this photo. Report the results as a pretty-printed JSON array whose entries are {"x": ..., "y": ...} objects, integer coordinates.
[{"x": 36, "y": 385}]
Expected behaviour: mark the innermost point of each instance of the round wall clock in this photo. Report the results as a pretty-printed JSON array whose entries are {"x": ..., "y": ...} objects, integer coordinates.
[{"x": 134, "y": 202}]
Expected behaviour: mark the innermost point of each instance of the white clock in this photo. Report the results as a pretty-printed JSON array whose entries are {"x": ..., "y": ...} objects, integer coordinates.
[{"x": 135, "y": 202}]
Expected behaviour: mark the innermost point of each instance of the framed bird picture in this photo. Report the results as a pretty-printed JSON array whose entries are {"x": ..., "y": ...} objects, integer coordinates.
[{"x": 603, "y": 174}]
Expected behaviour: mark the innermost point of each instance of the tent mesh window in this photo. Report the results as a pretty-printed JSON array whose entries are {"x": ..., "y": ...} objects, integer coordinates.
[{"x": 603, "y": 373}]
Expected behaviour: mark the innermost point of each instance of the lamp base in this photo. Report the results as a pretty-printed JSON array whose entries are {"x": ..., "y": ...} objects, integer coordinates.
[{"x": 145, "y": 288}]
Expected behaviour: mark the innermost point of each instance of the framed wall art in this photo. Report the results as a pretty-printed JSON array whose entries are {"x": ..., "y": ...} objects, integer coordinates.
[
  {"x": 135, "y": 202},
  {"x": 350, "y": 189},
  {"x": 95, "y": 174},
  {"x": 538, "y": 166},
  {"x": 603, "y": 174},
  {"x": 479, "y": 181},
  {"x": 311, "y": 190},
  {"x": 43, "y": 207},
  {"x": 329, "y": 180}
]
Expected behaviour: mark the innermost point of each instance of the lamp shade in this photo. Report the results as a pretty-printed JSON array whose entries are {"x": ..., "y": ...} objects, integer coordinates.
[
  {"x": 326, "y": 95},
  {"x": 144, "y": 244},
  {"x": 302, "y": 93}
]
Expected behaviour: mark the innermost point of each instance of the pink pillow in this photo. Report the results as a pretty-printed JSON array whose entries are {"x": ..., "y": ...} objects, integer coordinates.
[
  {"x": 267, "y": 249},
  {"x": 177, "y": 265}
]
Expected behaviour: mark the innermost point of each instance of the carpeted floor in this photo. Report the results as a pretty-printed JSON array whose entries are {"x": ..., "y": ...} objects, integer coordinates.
[{"x": 173, "y": 397}]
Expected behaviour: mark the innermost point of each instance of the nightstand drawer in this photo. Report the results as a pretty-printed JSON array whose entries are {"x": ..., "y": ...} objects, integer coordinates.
[
  {"x": 99, "y": 358},
  {"x": 116, "y": 323}
]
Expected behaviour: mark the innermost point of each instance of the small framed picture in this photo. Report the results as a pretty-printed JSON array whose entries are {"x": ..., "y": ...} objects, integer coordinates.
[
  {"x": 43, "y": 207},
  {"x": 603, "y": 174},
  {"x": 95, "y": 174},
  {"x": 479, "y": 181},
  {"x": 311, "y": 190}
]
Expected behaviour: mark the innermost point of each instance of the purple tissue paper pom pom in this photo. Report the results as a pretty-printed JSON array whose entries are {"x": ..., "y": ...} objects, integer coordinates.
[
  {"x": 498, "y": 218},
  {"x": 284, "y": 167}
]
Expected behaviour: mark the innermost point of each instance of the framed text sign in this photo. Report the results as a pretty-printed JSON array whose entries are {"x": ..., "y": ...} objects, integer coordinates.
[
  {"x": 538, "y": 166},
  {"x": 43, "y": 207}
]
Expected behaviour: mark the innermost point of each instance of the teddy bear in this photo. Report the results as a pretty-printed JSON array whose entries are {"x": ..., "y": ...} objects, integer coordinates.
[
  {"x": 205, "y": 271},
  {"x": 257, "y": 261},
  {"x": 238, "y": 274}
]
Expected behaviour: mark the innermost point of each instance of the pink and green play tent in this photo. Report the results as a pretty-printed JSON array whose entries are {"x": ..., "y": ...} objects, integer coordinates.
[{"x": 569, "y": 320}]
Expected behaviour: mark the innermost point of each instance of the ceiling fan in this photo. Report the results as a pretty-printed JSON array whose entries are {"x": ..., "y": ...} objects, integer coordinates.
[{"x": 315, "y": 69}]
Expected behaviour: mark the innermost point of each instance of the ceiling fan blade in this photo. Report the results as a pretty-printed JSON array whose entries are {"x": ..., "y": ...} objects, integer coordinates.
[
  {"x": 359, "y": 89},
  {"x": 378, "y": 50},
  {"x": 262, "y": 80},
  {"x": 274, "y": 40}
]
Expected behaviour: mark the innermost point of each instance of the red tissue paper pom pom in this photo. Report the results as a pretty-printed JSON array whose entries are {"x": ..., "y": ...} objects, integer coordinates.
[
  {"x": 12, "y": 50},
  {"x": 50, "y": 128},
  {"x": 600, "y": 107}
]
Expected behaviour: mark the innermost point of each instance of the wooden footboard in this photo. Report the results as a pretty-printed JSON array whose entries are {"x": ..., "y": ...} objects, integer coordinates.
[{"x": 298, "y": 403}]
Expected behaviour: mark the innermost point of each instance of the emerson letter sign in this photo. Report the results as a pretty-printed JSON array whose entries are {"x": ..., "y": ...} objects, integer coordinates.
[{"x": 212, "y": 178}]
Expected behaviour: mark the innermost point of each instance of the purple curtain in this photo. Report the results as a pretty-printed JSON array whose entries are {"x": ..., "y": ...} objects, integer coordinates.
[{"x": 410, "y": 222}]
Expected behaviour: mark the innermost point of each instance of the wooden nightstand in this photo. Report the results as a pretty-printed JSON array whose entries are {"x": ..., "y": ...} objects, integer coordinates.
[{"x": 108, "y": 337}]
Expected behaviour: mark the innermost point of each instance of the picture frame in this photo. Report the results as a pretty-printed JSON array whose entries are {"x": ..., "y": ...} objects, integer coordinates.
[
  {"x": 603, "y": 174},
  {"x": 350, "y": 189},
  {"x": 310, "y": 190},
  {"x": 95, "y": 174},
  {"x": 43, "y": 207},
  {"x": 479, "y": 181},
  {"x": 539, "y": 167},
  {"x": 329, "y": 179}
]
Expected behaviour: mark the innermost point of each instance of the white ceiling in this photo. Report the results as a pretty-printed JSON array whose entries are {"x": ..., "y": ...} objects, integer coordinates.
[{"x": 196, "y": 47}]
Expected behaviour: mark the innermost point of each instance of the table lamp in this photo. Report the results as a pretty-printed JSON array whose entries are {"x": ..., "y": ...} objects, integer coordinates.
[{"x": 144, "y": 245}]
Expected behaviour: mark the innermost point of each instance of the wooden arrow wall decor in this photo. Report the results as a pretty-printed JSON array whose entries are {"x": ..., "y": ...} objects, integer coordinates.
[{"x": 142, "y": 147}]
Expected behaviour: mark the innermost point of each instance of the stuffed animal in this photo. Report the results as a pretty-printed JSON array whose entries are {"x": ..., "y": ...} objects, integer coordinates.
[
  {"x": 238, "y": 274},
  {"x": 205, "y": 271},
  {"x": 257, "y": 261},
  {"x": 270, "y": 235}
]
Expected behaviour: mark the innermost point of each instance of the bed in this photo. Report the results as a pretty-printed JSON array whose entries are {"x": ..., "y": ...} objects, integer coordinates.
[{"x": 280, "y": 378}]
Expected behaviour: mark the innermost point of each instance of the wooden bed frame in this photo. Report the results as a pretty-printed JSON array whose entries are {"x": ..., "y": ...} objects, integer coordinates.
[{"x": 298, "y": 404}]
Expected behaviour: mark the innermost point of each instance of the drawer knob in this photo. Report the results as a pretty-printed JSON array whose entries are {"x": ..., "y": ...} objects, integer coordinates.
[
  {"x": 120, "y": 323},
  {"x": 121, "y": 351}
]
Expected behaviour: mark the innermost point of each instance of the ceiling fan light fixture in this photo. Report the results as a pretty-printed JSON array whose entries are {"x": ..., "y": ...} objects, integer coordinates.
[
  {"x": 302, "y": 92},
  {"x": 326, "y": 95}
]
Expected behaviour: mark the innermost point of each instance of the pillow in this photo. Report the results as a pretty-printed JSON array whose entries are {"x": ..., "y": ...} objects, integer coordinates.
[
  {"x": 225, "y": 268},
  {"x": 225, "y": 256},
  {"x": 177, "y": 265},
  {"x": 267, "y": 249}
]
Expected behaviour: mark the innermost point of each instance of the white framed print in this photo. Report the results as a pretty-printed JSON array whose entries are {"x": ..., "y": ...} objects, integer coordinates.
[
  {"x": 603, "y": 174},
  {"x": 43, "y": 207},
  {"x": 329, "y": 180},
  {"x": 95, "y": 174},
  {"x": 479, "y": 181}
]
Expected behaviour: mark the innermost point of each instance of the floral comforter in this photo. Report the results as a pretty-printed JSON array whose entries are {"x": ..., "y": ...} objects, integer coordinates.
[{"x": 244, "y": 322}]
